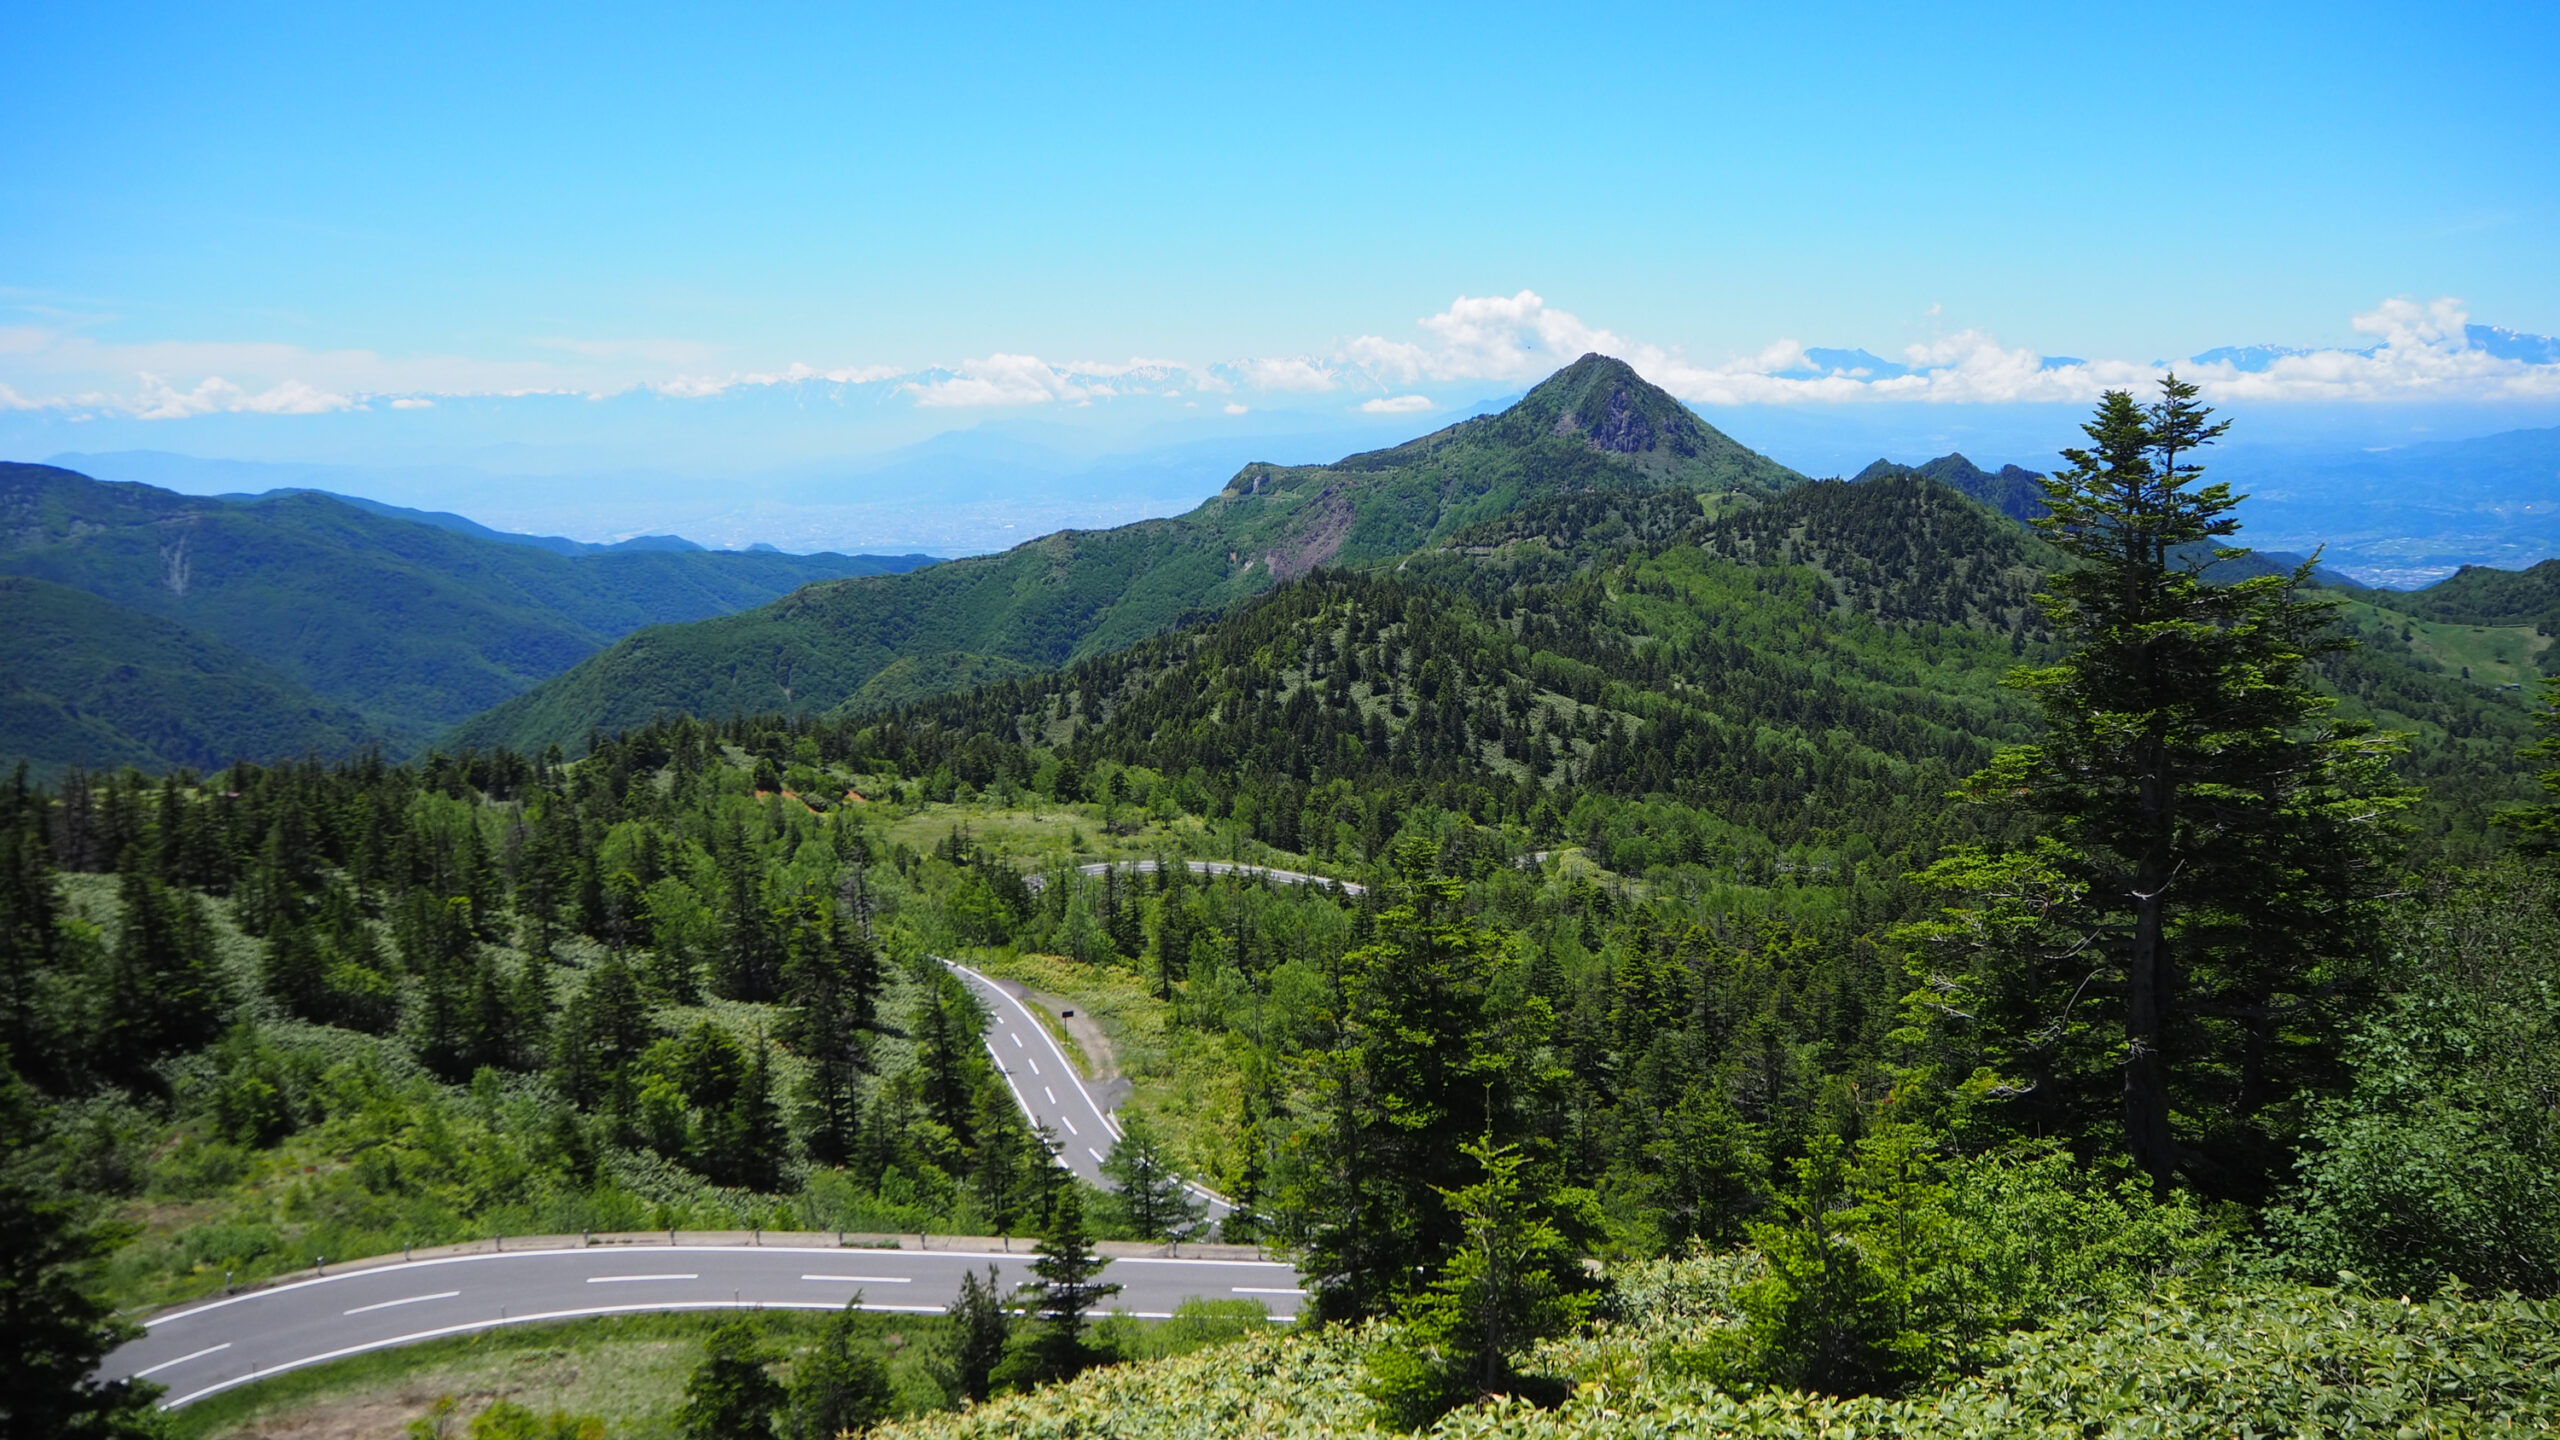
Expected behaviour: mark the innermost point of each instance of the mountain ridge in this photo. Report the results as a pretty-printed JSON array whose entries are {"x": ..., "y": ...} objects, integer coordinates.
[{"x": 1594, "y": 425}]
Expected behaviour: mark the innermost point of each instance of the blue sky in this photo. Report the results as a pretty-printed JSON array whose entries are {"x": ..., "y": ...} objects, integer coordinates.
[{"x": 978, "y": 211}]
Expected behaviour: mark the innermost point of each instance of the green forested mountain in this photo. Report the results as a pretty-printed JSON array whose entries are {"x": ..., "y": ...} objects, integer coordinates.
[
  {"x": 2012, "y": 490},
  {"x": 2479, "y": 595},
  {"x": 1593, "y": 426},
  {"x": 410, "y": 625},
  {"x": 92, "y": 683}
]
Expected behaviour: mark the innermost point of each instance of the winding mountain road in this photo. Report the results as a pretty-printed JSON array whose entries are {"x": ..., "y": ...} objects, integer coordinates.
[
  {"x": 1211, "y": 867},
  {"x": 208, "y": 1348},
  {"x": 1046, "y": 1086}
]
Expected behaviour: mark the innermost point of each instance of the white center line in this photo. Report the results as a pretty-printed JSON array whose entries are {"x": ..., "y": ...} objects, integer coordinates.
[
  {"x": 862, "y": 1279},
  {"x": 181, "y": 1360},
  {"x": 1070, "y": 1124},
  {"x": 412, "y": 1300},
  {"x": 1263, "y": 1290},
  {"x": 611, "y": 1279},
  {"x": 1034, "y": 1064},
  {"x": 1096, "y": 1154},
  {"x": 1016, "y": 1037},
  {"x": 1052, "y": 1094}
]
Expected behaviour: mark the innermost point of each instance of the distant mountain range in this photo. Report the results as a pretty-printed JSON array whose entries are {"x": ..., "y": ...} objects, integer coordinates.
[
  {"x": 463, "y": 525},
  {"x": 159, "y": 629},
  {"x": 1594, "y": 425},
  {"x": 348, "y": 624}
]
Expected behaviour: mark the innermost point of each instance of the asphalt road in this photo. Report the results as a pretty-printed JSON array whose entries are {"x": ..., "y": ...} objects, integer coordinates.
[
  {"x": 212, "y": 1347},
  {"x": 205, "y": 1349},
  {"x": 1044, "y": 1081},
  {"x": 1047, "y": 1088},
  {"x": 1211, "y": 867}
]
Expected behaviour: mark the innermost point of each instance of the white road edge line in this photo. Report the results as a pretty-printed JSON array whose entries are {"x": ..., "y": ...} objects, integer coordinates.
[
  {"x": 1263, "y": 1290},
  {"x": 590, "y": 1253},
  {"x": 412, "y": 1300},
  {"x": 581, "y": 1252},
  {"x": 863, "y": 1279},
  {"x": 181, "y": 1360},
  {"x": 617, "y": 1279},
  {"x": 1054, "y": 1049},
  {"x": 582, "y": 1313}
]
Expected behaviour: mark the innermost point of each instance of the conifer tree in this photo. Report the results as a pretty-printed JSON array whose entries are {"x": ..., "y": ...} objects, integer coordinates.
[
  {"x": 54, "y": 1331},
  {"x": 30, "y": 941},
  {"x": 2185, "y": 930},
  {"x": 730, "y": 1396},
  {"x": 974, "y": 1345},
  {"x": 164, "y": 988},
  {"x": 1066, "y": 1288},
  {"x": 1150, "y": 1198},
  {"x": 841, "y": 1386},
  {"x": 1511, "y": 1281},
  {"x": 1413, "y": 1069},
  {"x": 2537, "y": 827}
]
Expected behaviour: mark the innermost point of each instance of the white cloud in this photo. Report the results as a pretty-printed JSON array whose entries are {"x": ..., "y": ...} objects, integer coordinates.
[
  {"x": 2425, "y": 353},
  {"x": 1514, "y": 337},
  {"x": 997, "y": 380},
  {"x": 1233, "y": 408},
  {"x": 1304, "y": 377},
  {"x": 2418, "y": 350},
  {"x": 215, "y": 395}
]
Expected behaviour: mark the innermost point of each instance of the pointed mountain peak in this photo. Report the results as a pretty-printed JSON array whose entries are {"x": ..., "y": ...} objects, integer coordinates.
[{"x": 1603, "y": 400}]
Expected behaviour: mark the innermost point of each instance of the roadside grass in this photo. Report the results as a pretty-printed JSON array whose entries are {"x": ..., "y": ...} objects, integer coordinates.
[{"x": 627, "y": 1370}]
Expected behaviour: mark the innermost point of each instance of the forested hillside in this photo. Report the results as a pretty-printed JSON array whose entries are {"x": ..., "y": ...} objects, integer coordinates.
[
  {"x": 1595, "y": 425},
  {"x": 92, "y": 683},
  {"x": 410, "y": 625}
]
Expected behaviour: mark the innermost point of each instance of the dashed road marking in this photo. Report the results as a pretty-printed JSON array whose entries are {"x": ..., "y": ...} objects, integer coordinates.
[
  {"x": 412, "y": 1300},
  {"x": 181, "y": 1360}
]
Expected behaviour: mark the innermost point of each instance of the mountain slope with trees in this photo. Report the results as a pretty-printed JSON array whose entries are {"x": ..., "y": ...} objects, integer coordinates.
[
  {"x": 412, "y": 625},
  {"x": 93, "y": 683},
  {"x": 1596, "y": 425}
]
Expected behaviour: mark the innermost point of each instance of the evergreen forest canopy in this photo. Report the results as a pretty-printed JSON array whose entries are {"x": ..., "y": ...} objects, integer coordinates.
[{"x": 1912, "y": 950}]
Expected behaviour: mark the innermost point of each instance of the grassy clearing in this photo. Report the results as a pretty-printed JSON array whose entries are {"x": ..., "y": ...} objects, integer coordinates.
[{"x": 1049, "y": 834}]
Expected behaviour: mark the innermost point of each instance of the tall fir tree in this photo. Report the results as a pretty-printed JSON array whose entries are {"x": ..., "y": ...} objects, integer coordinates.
[{"x": 2181, "y": 941}]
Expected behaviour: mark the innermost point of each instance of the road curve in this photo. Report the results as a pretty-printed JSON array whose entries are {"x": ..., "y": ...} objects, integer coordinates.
[
  {"x": 1210, "y": 867},
  {"x": 211, "y": 1347},
  {"x": 1045, "y": 1085}
]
